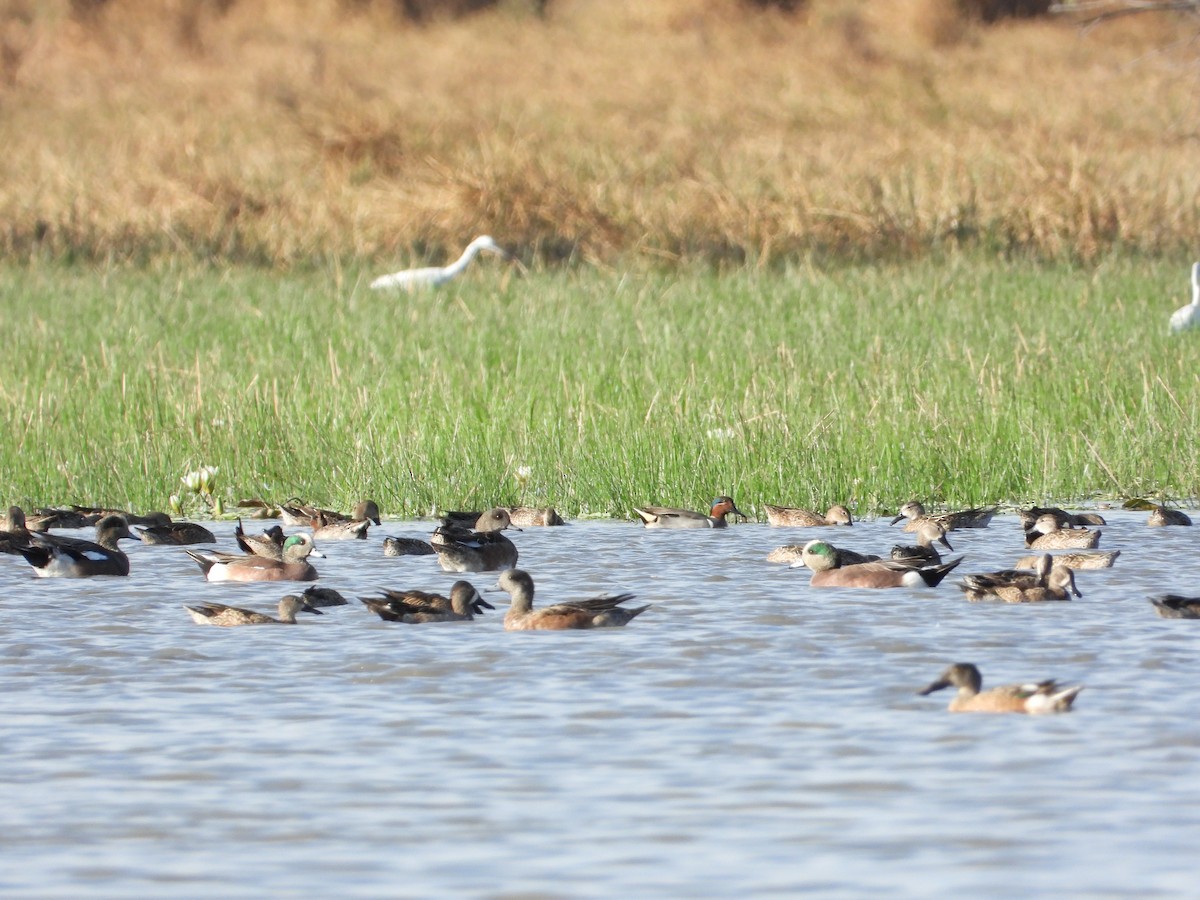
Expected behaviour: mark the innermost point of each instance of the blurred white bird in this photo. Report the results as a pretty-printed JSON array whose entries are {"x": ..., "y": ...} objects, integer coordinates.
[
  {"x": 1189, "y": 316},
  {"x": 436, "y": 275}
]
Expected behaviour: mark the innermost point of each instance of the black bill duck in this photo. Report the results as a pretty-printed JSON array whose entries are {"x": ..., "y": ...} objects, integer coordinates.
[
  {"x": 821, "y": 557},
  {"x": 417, "y": 607},
  {"x": 669, "y": 517},
  {"x": 1036, "y": 699},
  {"x": 53, "y": 556},
  {"x": 231, "y": 567},
  {"x": 220, "y": 614},
  {"x": 796, "y": 517},
  {"x": 599, "y": 612},
  {"x": 484, "y": 549}
]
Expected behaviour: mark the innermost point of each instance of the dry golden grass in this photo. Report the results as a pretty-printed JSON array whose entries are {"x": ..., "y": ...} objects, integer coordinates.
[{"x": 277, "y": 131}]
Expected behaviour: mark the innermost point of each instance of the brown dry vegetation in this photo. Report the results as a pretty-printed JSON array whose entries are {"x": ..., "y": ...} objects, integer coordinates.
[{"x": 276, "y": 131}]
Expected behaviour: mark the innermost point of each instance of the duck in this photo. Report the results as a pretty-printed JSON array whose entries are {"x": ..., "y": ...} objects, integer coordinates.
[
  {"x": 794, "y": 516},
  {"x": 230, "y": 567},
  {"x": 1063, "y": 518},
  {"x": 520, "y": 516},
  {"x": 669, "y": 517},
  {"x": 268, "y": 545},
  {"x": 327, "y": 529},
  {"x": 300, "y": 515},
  {"x": 13, "y": 533},
  {"x": 1074, "y": 560},
  {"x": 914, "y": 512},
  {"x": 322, "y": 596},
  {"x": 484, "y": 549},
  {"x": 45, "y": 518},
  {"x": 94, "y": 514},
  {"x": 1162, "y": 516},
  {"x": 794, "y": 555},
  {"x": 1036, "y": 699},
  {"x": 1045, "y": 534},
  {"x": 220, "y": 614},
  {"x": 599, "y": 612},
  {"x": 395, "y": 546},
  {"x": 53, "y": 556},
  {"x": 924, "y": 552},
  {"x": 1188, "y": 316},
  {"x": 417, "y": 607},
  {"x": 821, "y": 557},
  {"x": 177, "y": 533},
  {"x": 1176, "y": 606},
  {"x": 1045, "y": 583}
]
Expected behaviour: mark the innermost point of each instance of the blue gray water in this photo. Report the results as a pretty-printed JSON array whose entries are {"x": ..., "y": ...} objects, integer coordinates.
[{"x": 747, "y": 735}]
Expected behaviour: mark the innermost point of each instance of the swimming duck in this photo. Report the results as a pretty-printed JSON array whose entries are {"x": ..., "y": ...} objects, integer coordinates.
[
  {"x": 483, "y": 550},
  {"x": 230, "y": 567},
  {"x": 416, "y": 607},
  {"x": 794, "y": 554},
  {"x": 914, "y": 512},
  {"x": 13, "y": 533},
  {"x": 1175, "y": 606},
  {"x": 268, "y": 545},
  {"x": 794, "y": 516},
  {"x": 43, "y": 519},
  {"x": 301, "y": 515},
  {"x": 94, "y": 514},
  {"x": 220, "y": 614},
  {"x": 520, "y": 516},
  {"x": 322, "y": 596},
  {"x": 1075, "y": 560},
  {"x": 177, "y": 533},
  {"x": 1047, "y": 535},
  {"x": 327, "y": 529},
  {"x": 1062, "y": 518},
  {"x": 668, "y": 517},
  {"x": 1045, "y": 583},
  {"x": 599, "y": 612},
  {"x": 821, "y": 557},
  {"x": 53, "y": 556},
  {"x": 1161, "y": 516},
  {"x": 923, "y": 553},
  {"x": 1035, "y": 699},
  {"x": 394, "y": 546}
]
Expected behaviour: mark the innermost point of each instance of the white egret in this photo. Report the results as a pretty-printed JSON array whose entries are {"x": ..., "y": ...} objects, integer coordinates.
[
  {"x": 1189, "y": 316},
  {"x": 437, "y": 275}
]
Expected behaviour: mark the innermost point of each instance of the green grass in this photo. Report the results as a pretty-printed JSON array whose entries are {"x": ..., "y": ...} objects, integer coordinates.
[{"x": 961, "y": 381}]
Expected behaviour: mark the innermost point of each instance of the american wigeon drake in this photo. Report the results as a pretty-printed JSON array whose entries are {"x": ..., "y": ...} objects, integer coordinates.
[
  {"x": 821, "y": 558},
  {"x": 1046, "y": 582},
  {"x": 1162, "y": 516},
  {"x": 95, "y": 513},
  {"x": 418, "y": 607},
  {"x": 520, "y": 516},
  {"x": 1176, "y": 606},
  {"x": 1101, "y": 559},
  {"x": 923, "y": 553},
  {"x": 1046, "y": 534},
  {"x": 795, "y": 517},
  {"x": 843, "y": 556},
  {"x": 268, "y": 545},
  {"x": 395, "y": 546},
  {"x": 599, "y": 612},
  {"x": 53, "y": 556},
  {"x": 301, "y": 515},
  {"x": 914, "y": 512},
  {"x": 484, "y": 549},
  {"x": 1036, "y": 699},
  {"x": 13, "y": 533},
  {"x": 1063, "y": 518},
  {"x": 177, "y": 533},
  {"x": 43, "y": 519},
  {"x": 229, "y": 567},
  {"x": 669, "y": 517},
  {"x": 326, "y": 529},
  {"x": 220, "y": 614}
]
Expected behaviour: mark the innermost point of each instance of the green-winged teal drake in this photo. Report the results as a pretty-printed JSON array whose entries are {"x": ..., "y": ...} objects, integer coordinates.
[
  {"x": 417, "y": 607},
  {"x": 1036, "y": 698},
  {"x": 795, "y": 517},
  {"x": 669, "y": 517},
  {"x": 821, "y": 557},
  {"x": 484, "y": 549},
  {"x": 60, "y": 557},
  {"x": 1046, "y": 534},
  {"x": 230, "y": 567},
  {"x": 599, "y": 612},
  {"x": 220, "y": 614},
  {"x": 914, "y": 512}
]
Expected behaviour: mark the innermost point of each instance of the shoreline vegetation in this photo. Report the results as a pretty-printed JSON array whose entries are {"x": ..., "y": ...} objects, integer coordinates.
[{"x": 287, "y": 132}]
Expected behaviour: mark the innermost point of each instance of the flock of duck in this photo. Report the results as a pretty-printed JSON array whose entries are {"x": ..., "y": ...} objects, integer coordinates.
[{"x": 475, "y": 542}]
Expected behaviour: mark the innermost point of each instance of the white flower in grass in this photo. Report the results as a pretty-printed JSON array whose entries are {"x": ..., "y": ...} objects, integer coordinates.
[
  {"x": 202, "y": 481},
  {"x": 721, "y": 434},
  {"x": 522, "y": 474}
]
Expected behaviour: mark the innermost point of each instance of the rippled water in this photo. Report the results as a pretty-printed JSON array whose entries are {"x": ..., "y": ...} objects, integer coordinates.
[{"x": 748, "y": 734}]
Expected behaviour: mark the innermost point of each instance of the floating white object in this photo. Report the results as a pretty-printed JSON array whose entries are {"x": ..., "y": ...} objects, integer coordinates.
[
  {"x": 436, "y": 275},
  {"x": 1189, "y": 316}
]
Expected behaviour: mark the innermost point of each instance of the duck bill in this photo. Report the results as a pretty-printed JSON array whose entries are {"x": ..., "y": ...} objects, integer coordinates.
[
  {"x": 897, "y": 519},
  {"x": 936, "y": 686},
  {"x": 313, "y": 610},
  {"x": 317, "y": 553},
  {"x": 945, "y": 542}
]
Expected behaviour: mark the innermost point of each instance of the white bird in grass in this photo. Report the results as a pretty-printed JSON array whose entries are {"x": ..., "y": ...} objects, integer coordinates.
[
  {"x": 1189, "y": 316},
  {"x": 437, "y": 275}
]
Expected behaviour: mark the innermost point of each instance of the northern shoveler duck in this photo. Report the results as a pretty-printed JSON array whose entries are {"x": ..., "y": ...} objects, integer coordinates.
[
  {"x": 220, "y": 614},
  {"x": 1037, "y": 698},
  {"x": 668, "y": 517},
  {"x": 268, "y": 545},
  {"x": 599, "y": 612},
  {"x": 1045, "y": 582},
  {"x": 1175, "y": 606},
  {"x": 13, "y": 533},
  {"x": 417, "y": 607},
  {"x": 394, "y": 546},
  {"x": 59, "y": 557},
  {"x": 1076, "y": 560},
  {"x": 923, "y": 553},
  {"x": 177, "y": 533},
  {"x": 1063, "y": 518},
  {"x": 821, "y": 557},
  {"x": 1188, "y": 315},
  {"x": 483, "y": 550},
  {"x": 795, "y": 517},
  {"x": 229, "y": 567},
  {"x": 1047, "y": 535},
  {"x": 914, "y": 512},
  {"x": 1161, "y": 516}
]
